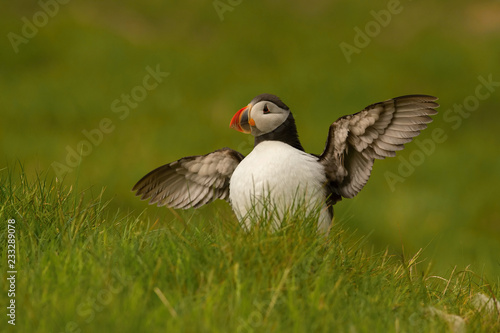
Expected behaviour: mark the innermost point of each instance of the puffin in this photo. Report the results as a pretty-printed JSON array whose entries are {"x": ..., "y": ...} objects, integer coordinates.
[{"x": 278, "y": 177}]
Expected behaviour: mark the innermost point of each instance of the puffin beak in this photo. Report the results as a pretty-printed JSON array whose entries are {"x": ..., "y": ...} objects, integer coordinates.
[{"x": 242, "y": 121}]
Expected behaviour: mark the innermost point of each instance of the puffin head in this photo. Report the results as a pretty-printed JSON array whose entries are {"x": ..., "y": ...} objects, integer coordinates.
[{"x": 263, "y": 115}]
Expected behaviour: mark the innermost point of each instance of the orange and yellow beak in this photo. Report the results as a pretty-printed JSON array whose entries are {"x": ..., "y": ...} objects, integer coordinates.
[{"x": 242, "y": 120}]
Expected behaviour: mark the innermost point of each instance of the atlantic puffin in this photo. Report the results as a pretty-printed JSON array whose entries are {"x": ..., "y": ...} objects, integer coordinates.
[{"x": 278, "y": 173}]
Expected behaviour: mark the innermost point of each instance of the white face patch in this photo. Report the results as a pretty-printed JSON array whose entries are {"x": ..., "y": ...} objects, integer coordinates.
[{"x": 267, "y": 117}]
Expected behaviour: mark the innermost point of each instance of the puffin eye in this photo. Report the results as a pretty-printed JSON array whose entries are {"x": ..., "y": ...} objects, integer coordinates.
[{"x": 266, "y": 110}]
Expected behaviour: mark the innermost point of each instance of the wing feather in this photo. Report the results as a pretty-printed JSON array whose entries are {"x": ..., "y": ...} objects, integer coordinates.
[
  {"x": 190, "y": 182},
  {"x": 377, "y": 132}
]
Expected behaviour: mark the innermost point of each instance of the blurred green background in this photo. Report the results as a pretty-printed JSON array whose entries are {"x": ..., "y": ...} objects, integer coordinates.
[{"x": 82, "y": 56}]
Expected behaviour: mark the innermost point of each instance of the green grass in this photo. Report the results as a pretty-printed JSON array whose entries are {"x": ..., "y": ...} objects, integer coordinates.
[
  {"x": 64, "y": 80},
  {"x": 83, "y": 266}
]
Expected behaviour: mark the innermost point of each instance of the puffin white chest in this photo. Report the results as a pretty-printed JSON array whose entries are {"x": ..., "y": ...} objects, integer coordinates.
[{"x": 276, "y": 176}]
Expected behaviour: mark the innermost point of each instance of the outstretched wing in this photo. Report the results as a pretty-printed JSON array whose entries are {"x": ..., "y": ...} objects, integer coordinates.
[
  {"x": 355, "y": 141},
  {"x": 191, "y": 181}
]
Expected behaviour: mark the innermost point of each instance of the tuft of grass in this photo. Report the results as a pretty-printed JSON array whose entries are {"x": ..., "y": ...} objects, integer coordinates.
[{"x": 84, "y": 267}]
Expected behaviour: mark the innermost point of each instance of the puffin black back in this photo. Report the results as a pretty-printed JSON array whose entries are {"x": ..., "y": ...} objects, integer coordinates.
[{"x": 282, "y": 167}]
